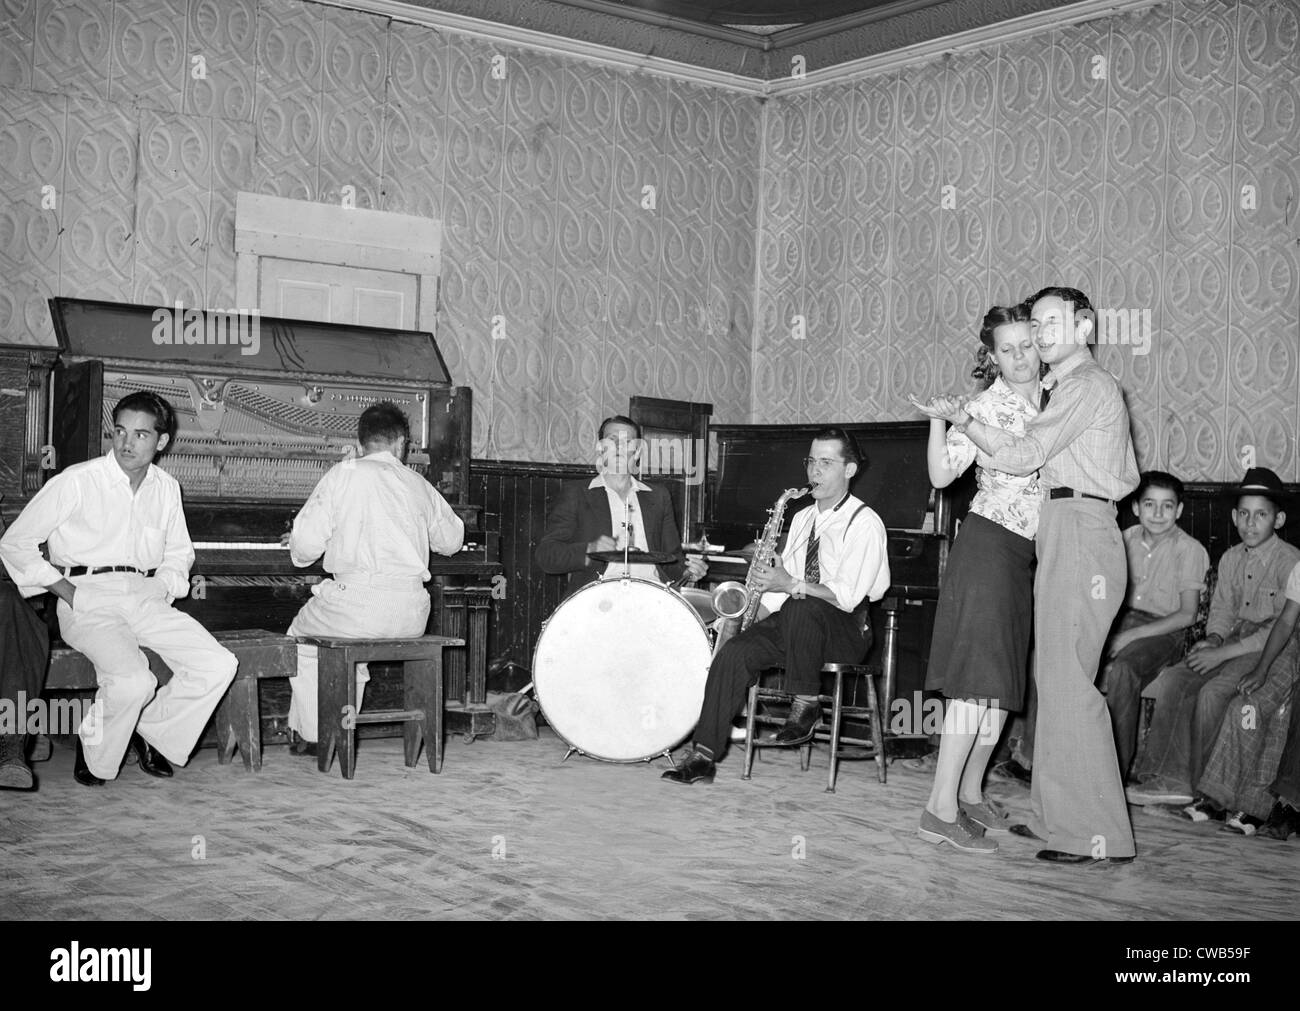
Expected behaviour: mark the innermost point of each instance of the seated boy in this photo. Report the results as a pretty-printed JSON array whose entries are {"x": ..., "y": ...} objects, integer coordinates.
[
  {"x": 1166, "y": 571},
  {"x": 1192, "y": 696},
  {"x": 120, "y": 553},
  {"x": 1236, "y": 784}
]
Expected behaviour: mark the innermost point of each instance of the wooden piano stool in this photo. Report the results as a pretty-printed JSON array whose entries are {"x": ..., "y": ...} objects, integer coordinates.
[
  {"x": 261, "y": 654},
  {"x": 421, "y": 660}
]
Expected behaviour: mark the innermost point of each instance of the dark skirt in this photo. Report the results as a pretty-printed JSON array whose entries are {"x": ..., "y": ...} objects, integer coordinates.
[{"x": 985, "y": 617}]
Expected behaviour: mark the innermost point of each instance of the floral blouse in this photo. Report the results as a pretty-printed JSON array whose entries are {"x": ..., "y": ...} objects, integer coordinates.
[{"x": 1010, "y": 501}]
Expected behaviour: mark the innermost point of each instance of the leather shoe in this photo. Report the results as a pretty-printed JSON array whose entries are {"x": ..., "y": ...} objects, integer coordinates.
[
  {"x": 1025, "y": 832},
  {"x": 151, "y": 761},
  {"x": 81, "y": 772},
  {"x": 1060, "y": 857},
  {"x": 693, "y": 768},
  {"x": 802, "y": 723},
  {"x": 15, "y": 773}
]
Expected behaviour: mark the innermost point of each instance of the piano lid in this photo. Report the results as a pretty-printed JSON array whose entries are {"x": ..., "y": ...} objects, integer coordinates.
[{"x": 179, "y": 336}]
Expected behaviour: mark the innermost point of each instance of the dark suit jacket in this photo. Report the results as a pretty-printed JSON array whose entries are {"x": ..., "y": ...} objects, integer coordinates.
[{"x": 582, "y": 514}]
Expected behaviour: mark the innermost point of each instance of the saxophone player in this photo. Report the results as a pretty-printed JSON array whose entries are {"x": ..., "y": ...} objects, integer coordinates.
[{"x": 834, "y": 560}]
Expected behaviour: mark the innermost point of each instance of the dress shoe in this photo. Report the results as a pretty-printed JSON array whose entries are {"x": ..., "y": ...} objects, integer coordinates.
[
  {"x": 1060, "y": 857},
  {"x": 151, "y": 761},
  {"x": 15, "y": 773},
  {"x": 1025, "y": 832},
  {"x": 956, "y": 834},
  {"x": 802, "y": 722},
  {"x": 1014, "y": 771},
  {"x": 81, "y": 772},
  {"x": 1283, "y": 822},
  {"x": 693, "y": 768},
  {"x": 301, "y": 746}
]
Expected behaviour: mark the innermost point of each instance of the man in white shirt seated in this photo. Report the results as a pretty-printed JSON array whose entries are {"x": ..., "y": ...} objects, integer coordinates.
[
  {"x": 375, "y": 520},
  {"x": 612, "y": 511},
  {"x": 835, "y": 558},
  {"x": 120, "y": 553}
]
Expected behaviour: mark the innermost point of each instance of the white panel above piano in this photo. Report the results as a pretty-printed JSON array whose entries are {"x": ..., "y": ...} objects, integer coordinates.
[
  {"x": 335, "y": 263},
  {"x": 334, "y": 294}
]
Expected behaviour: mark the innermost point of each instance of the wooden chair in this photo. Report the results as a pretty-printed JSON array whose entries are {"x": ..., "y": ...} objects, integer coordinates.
[
  {"x": 422, "y": 675},
  {"x": 858, "y": 747}
]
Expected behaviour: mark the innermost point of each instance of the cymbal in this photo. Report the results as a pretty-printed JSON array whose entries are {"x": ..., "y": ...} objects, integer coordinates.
[{"x": 634, "y": 557}]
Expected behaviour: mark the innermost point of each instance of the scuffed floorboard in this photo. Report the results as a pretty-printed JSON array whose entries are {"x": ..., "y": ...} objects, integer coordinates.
[{"x": 508, "y": 831}]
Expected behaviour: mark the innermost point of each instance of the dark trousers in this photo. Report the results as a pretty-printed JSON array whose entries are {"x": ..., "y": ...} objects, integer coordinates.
[
  {"x": 1123, "y": 678},
  {"x": 24, "y": 647},
  {"x": 1287, "y": 783},
  {"x": 801, "y": 636}
]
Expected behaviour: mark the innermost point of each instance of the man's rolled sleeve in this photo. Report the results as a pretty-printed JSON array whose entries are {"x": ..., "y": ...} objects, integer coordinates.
[
  {"x": 312, "y": 527},
  {"x": 446, "y": 529},
  {"x": 20, "y": 547},
  {"x": 863, "y": 570}
]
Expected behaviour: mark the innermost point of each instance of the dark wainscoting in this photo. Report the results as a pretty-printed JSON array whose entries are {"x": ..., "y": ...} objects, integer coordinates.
[
  {"x": 1207, "y": 516},
  {"x": 515, "y": 497}
]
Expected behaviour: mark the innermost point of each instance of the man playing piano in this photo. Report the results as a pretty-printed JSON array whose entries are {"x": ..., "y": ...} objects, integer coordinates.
[
  {"x": 120, "y": 553},
  {"x": 614, "y": 510},
  {"x": 835, "y": 559},
  {"x": 375, "y": 520}
]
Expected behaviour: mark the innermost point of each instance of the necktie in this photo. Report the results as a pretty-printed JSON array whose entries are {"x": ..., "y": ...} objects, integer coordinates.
[
  {"x": 812, "y": 570},
  {"x": 1044, "y": 398}
]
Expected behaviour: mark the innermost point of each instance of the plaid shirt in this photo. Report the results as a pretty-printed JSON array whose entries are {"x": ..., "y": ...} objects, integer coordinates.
[{"x": 1081, "y": 440}]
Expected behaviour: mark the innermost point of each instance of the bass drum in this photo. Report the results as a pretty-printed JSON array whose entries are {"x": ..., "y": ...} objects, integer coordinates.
[{"x": 619, "y": 669}]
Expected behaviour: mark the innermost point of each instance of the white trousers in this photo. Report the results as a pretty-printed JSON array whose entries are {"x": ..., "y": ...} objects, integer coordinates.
[
  {"x": 115, "y": 614},
  {"x": 348, "y": 611}
]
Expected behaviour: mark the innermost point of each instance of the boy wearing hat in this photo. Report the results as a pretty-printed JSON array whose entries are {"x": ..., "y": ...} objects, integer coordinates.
[
  {"x": 1237, "y": 783},
  {"x": 1192, "y": 696}
]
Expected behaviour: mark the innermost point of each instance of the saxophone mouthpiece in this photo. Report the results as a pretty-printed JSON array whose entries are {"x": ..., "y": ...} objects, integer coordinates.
[{"x": 804, "y": 491}]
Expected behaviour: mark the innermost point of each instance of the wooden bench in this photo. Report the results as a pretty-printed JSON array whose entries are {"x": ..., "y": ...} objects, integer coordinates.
[{"x": 261, "y": 654}]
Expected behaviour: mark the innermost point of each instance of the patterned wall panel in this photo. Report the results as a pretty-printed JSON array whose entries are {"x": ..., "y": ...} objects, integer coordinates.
[
  {"x": 1151, "y": 159},
  {"x": 287, "y": 98},
  {"x": 72, "y": 47},
  {"x": 17, "y": 39},
  {"x": 32, "y": 158},
  {"x": 148, "y": 59},
  {"x": 220, "y": 53}
]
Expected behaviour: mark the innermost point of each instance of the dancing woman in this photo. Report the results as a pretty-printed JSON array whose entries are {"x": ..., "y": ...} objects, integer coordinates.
[{"x": 985, "y": 616}]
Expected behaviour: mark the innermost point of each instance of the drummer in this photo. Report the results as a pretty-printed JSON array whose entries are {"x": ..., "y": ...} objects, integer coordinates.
[{"x": 611, "y": 512}]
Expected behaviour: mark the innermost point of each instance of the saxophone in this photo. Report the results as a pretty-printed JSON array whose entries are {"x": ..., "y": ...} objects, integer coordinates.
[{"x": 737, "y": 603}]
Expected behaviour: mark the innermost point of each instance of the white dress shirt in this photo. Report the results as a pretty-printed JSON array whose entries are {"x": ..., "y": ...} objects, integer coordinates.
[
  {"x": 626, "y": 524},
  {"x": 853, "y": 559},
  {"x": 374, "y": 516},
  {"x": 89, "y": 516}
]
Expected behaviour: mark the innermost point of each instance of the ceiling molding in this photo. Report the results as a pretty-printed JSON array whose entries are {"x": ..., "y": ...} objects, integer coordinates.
[
  {"x": 556, "y": 45},
  {"x": 924, "y": 52},
  {"x": 851, "y": 70}
]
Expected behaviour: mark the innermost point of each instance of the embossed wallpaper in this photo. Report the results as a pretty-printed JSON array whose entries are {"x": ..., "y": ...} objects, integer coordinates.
[
  {"x": 1152, "y": 160},
  {"x": 537, "y": 166},
  {"x": 611, "y": 220}
]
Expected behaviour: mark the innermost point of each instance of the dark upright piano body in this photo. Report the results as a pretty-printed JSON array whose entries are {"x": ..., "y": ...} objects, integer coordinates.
[
  {"x": 258, "y": 424},
  {"x": 755, "y": 463}
]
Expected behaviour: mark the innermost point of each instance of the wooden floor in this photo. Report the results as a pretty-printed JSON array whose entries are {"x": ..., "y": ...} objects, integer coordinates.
[{"x": 509, "y": 831}]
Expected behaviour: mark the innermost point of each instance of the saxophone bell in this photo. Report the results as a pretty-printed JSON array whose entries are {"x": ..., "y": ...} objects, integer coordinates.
[{"x": 730, "y": 599}]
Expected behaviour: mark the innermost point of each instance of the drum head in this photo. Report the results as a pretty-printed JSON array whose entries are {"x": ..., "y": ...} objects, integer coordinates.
[{"x": 619, "y": 669}]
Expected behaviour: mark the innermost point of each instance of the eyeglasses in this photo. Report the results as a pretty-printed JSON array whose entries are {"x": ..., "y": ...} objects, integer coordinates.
[{"x": 813, "y": 463}]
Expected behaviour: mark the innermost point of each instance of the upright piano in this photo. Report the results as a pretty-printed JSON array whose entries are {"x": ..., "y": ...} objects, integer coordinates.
[
  {"x": 261, "y": 415},
  {"x": 753, "y": 464}
]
